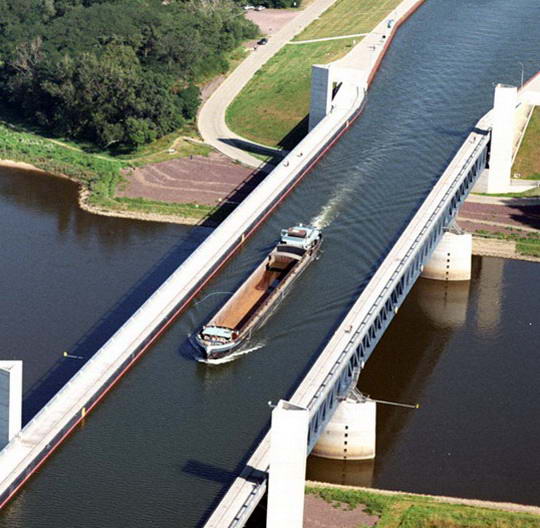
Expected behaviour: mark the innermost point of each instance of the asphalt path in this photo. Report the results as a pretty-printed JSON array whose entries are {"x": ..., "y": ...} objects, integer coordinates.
[{"x": 211, "y": 120}]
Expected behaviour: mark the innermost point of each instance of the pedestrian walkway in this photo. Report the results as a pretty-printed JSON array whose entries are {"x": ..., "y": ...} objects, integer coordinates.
[
  {"x": 327, "y": 38},
  {"x": 211, "y": 119}
]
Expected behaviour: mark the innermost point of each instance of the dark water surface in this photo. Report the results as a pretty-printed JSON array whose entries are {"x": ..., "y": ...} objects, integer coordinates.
[{"x": 164, "y": 445}]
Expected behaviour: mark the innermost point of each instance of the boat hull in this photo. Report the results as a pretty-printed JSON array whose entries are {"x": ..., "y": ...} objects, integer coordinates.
[{"x": 259, "y": 316}]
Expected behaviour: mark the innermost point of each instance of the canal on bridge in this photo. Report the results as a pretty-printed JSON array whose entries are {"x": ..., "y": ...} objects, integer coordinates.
[{"x": 161, "y": 448}]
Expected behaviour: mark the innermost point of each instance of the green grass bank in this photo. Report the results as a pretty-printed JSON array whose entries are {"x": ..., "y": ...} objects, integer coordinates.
[
  {"x": 527, "y": 162},
  {"x": 527, "y": 242},
  {"x": 414, "y": 511},
  {"x": 272, "y": 108},
  {"x": 97, "y": 175}
]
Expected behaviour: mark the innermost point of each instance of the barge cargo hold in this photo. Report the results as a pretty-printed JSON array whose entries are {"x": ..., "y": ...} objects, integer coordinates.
[{"x": 260, "y": 294}]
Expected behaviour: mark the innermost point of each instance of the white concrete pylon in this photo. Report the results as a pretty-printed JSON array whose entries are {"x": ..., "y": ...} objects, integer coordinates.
[
  {"x": 321, "y": 94},
  {"x": 502, "y": 141},
  {"x": 10, "y": 400},
  {"x": 325, "y": 79},
  {"x": 351, "y": 432},
  {"x": 451, "y": 260},
  {"x": 288, "y": 453}
]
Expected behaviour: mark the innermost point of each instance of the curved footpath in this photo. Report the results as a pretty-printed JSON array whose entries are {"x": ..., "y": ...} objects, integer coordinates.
[{"x": 211, "y": 119}]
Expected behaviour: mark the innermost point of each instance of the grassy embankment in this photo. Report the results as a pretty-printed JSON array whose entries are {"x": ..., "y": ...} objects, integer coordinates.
[
  {"x": 527, "y": 242},
  {"x": 407, "y": 511},
  {"x": 527, "y": 163},
  {"x": 272, "y": 109},
  {"x": 99, "y": 174}
]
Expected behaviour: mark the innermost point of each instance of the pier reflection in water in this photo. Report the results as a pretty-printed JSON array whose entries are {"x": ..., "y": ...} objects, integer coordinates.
[
  {"x": 404, "y": 360},
  {"x": 165, "y": 444},
  {"x": 460, "y": 351}
]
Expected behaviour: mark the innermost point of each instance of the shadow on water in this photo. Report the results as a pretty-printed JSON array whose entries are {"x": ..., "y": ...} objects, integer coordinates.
[
  {"x": 399, "y": 369},
  {"x": 405, "y": 359},
  {"x": 216, "y": 474},
  {"x": 56, "y": 377}
]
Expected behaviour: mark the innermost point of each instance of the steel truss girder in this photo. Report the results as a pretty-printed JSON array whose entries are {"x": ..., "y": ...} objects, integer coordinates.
[{"x": 344, "y": 373}]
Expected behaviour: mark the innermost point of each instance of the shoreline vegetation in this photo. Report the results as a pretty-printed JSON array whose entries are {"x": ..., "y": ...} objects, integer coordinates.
[
  {"x": 99, "y": 174},
  {"x": 425, "y": 511},
  {"x": 97, "y": 178},
  {"x": 504, "y": 246},
  {"x": 91, "y": 88}
]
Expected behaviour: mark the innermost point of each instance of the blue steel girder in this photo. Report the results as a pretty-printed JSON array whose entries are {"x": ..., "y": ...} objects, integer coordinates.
[{"x": 352, "y": 358}]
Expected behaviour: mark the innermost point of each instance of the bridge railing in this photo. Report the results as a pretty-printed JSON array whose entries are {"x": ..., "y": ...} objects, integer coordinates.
[{"x": 372, "y": 313}]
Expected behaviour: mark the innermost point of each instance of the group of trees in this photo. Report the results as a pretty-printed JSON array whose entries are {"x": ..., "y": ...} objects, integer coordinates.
[{"x": 118, "y": 73}]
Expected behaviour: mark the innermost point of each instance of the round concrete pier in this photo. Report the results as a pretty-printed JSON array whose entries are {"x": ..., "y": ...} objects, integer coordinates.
[
  {"x": 451, "y": 260},
  {"x": 350, "y": 434}
]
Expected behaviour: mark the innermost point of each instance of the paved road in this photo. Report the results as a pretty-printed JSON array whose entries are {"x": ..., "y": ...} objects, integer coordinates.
[{"x": 211, "y": 119}]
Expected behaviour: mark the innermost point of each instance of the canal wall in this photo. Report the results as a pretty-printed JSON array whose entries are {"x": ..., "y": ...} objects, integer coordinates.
[{"x": 29, "y": 449}]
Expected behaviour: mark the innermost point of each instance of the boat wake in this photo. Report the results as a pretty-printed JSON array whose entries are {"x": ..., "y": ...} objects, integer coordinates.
[
  {"x": 331, "y": 209},
  {"x": 228, "y": 358}
]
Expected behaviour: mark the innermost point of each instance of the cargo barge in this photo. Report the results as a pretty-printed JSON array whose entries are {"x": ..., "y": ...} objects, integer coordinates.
[
  {"x": 260, "y": 294},
  {"x": 25, "y": 457}
]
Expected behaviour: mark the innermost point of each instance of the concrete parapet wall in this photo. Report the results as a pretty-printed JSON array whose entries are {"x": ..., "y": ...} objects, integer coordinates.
[{"x": 451, "y": 260}]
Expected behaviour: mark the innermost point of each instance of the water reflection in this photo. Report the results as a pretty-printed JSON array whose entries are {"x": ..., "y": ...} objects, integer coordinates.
[
  {"x": 39, "y": 194},
  {"x": 345, "y": 472},
  {"x": 444, "y": 303},
  {"x": 400, "y": 367},
  {"x": 490, "y": 296}
]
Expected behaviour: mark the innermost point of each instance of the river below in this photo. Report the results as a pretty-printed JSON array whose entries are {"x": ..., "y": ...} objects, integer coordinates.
[{"x": 163, "y": 446}]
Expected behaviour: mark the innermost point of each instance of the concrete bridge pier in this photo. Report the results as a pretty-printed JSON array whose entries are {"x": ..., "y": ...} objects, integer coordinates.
[
  {"x": 351, "y": 432},
  {"x": 452, "y": 258},
  {"x": 326, "y": 81},
  {"x": 10, "y": 400},
  {"x": 287, "y": 474}
]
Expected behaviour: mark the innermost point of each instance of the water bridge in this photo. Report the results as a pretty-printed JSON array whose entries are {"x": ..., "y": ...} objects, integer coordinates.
[
  {"x": 346, "y": 352},
  {"x": 335, "y": 371}
]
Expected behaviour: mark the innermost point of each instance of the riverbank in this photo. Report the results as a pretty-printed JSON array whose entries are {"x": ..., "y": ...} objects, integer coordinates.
[
  {"x": 194, "y": 215},
  {"x": 98, "y": 177},
  {"x": 503, "y": 227},
  {"x": 394, "y": 508}
]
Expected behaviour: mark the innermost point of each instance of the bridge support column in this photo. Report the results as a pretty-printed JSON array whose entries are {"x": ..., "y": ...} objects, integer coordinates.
[
  {"x": 325, "y": 81},
  {"x": 10, "y": 400},
  {"x": 451, "y": 260},
  {"x": 351, "y": 433},
  {"x": 288, "y": 454},
  {"x": 321, "y": 93},
  {"x": 497, "y": 178}
]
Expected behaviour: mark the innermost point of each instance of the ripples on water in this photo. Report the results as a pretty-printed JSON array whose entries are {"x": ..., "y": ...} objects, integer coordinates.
[{"x": 162, "y": 447}]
